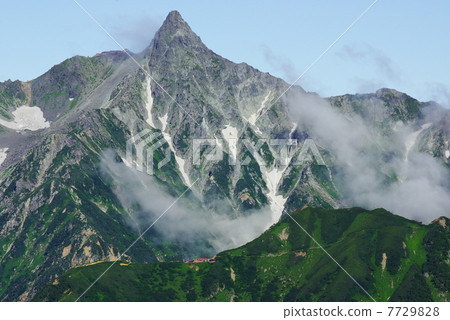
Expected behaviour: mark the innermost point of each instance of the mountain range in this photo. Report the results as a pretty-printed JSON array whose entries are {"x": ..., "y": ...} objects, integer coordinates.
[
  {"x": 390, "y": 257},
  {"x": 96, "y": 149}
]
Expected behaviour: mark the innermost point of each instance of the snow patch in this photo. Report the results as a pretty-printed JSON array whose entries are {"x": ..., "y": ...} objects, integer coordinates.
[
  {"x": 149, "y": 104},
  {"x": 180, "y": 161},
  {"x": 273, "y": 178},
  {"x": 292, "y": 130},
  {"x": 125, "y": 161},
  {"x": 163, "y": 121},
  {"x": 27, "y": 118},
  {"x": 447, "y": 154},
  {"x": 219, "y": 145},
  {"x": 230, "y": 134},
  {"x": 252, "y": 119},
  {"x": 3, "y": 155},
  {"x": 411, "y": 139}
]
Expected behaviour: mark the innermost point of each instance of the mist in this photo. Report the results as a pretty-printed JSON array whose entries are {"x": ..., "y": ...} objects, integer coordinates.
[
  {"x": 439, "y": 92},
  {"x": 136, "y": 34},
  {"x": 365, "y": 53},
  {"x": 366, "y": 159},
  {"x": 185, "y": 220},
  {"x": 281, "y": 63}
]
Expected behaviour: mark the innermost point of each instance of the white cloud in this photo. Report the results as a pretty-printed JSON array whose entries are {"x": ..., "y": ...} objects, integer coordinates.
[
  {"x": 365, "y": 53},
  {"x": 136, "y": 34},
  {"x": 422, "y": 190},
  {"x": 281, "y": 63},
  {"x": 187, "y": 221},
  {"x": 440, "y": 93}
]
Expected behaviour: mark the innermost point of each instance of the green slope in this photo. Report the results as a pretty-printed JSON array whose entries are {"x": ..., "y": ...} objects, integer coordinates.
[{"x": 284, "y": 264}]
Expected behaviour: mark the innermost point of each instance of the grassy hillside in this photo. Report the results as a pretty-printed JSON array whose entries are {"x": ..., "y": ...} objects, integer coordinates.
[{"x": 393, "y": 258}]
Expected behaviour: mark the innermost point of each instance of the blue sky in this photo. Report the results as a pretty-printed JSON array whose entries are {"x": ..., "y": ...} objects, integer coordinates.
[{"x": 401, "y": 44}]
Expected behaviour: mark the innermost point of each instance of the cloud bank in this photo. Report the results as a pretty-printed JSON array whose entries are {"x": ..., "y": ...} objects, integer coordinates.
[
  {"x": 376, "y": 170},
  {"x": 185, "y": 220}
]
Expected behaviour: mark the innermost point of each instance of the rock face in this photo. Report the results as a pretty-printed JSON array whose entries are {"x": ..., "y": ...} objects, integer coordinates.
[{"x": 58, "y": 208}]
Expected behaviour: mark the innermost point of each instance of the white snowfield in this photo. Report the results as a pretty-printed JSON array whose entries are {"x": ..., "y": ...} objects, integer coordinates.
[
  {"x": 180, "y": 161},
  {"x": 277, "y": 201},
  {"x": 149, "y": 104},
  {"x": 230, "y": 134},
  {"x": 3, "y": 155},
  {"x": 292, "y": 131},
  {"x": 252, "y": 119},
  {"x": 273, "y": 177},
  {"x": 411, "y": 139},
  {"x": 26, "y": 118}
]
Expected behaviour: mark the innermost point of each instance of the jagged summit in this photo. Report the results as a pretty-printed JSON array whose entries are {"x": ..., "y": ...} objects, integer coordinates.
[
  {"x": 174, "y": 32},
  {"x": 173, "y": 24},
  {"x": 174, "y": 18}
]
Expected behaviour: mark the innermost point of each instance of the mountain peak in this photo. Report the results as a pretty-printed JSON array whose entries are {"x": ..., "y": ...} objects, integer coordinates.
[
  {"x": 175, "y": 32},
  {"x": 174, "y": 24},
  {"x": 174, "y": 21},
  {"x": 174, "y": 17}
]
